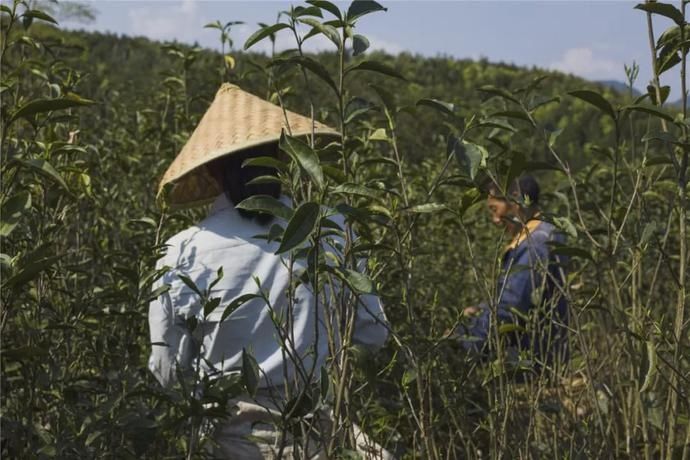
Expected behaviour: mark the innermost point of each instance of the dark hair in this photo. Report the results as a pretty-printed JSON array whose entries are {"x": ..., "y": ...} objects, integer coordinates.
[
  {"x": 234, "y": 178},
  {"x": 523, "y": 188}
]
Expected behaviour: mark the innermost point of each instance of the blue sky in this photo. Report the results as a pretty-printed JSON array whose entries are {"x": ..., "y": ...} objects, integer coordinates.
[{"x": 592, "y": 39}]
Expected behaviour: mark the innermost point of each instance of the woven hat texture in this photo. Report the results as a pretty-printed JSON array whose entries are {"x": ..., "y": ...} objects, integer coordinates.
[{"x": 235, "y": 121}]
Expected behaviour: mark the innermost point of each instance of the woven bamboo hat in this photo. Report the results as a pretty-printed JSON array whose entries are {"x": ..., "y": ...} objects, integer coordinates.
[{"x": 235, "y": 121}]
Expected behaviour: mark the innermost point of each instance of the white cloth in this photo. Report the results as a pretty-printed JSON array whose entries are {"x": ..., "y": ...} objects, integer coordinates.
[{"x": 226, "y": 239}]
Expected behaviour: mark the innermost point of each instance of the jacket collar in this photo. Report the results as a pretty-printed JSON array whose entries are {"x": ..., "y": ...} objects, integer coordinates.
[{"x": 529, "y": 227}]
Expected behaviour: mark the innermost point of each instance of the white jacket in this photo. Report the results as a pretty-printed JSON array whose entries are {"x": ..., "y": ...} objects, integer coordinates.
[{"x": 226, "y": 239}]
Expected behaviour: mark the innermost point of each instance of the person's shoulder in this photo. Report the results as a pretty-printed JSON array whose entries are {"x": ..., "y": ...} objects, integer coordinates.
[{"x": 176, "y": 243}]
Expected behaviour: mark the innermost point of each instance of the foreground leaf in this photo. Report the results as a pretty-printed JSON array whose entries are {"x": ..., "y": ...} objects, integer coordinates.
[
  {"x": 12, "y": 211},
  {"x": 299, "y": 228},
  {"x": 304, "y": 156},
  {"x": 266, "y": 204},
  {"x": 250, "y": 372},
  {"x": 595, "y": 99},
  {"x": 37, "y": 106}
]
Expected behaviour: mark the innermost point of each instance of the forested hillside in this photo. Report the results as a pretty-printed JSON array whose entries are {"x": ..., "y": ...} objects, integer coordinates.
[{"x": 91, "y": 121}]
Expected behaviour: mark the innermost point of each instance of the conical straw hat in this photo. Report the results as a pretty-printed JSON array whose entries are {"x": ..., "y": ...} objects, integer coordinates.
[{"x": 235, "y": 121}]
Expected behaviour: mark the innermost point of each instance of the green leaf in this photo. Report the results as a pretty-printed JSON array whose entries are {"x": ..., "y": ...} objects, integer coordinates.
[
  {"x": 304, "y": 156},
  {"x": 360, "y": 44},
  {"x": 651, "y": 92},
  {"x": 515, "y": 114},
  {"x": 570, "y": 251},
  {"x": 663, "y": 9},
  {"x": 327, "y": 6},
  {"x": 444, "y": 107},
  {"x": 471, "y": 157},
  {"x": 12, "y": 211},
  {"x": 324, "y": 384},
  {"x": 566, "y": 225},
  {"x": 379, "y": 135},
  {"x": 44, "y": 168},
  {"x": 299, "y": 228},
  {"x": 358, "y": 282},
  {"x": 211, "y": 305},
  {"x": 38, "y": 14},
  {"x": 651, "y": 368},
  {"x": 266, "y": 204},
  {"x": 262, "y": 33},
  {"x": 329, "y": 31},
  {"x": 356, "y": 189},
  {"x": 37, "y": 106},
  {"x": 659, "y": 113},
  {"x": 300, "y": 11},
  {"x": 250, "y": 372},
  {"x": 267, "y": 162},
  {"x": 266, "y": 179},
  {"x": 507, "y": 328},
  {"x": 311, "y": 65},
  {"x": 30, "y": 271},
  {"x": 499, "y": 92},
  {"x": 214, "y": 25},
  {"x": 409, "y": 376},
  {"x": 427, "y": 208},
  {"x": 498, "y": 124},
  {"x": 359, "y": 8},
  {"x": 595, "y": 99},
  {"x": 236, "y": 303},
  {"x": 647, "y": 233},
  {"x": 375, "y": 66},
  {"x": 191, "y": 285}
]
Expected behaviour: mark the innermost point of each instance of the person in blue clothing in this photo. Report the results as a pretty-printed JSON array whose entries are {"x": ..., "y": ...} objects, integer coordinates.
[{"x": 529, "y": 291}]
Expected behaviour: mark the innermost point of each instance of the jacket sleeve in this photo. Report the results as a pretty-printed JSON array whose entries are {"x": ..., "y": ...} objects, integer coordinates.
[
  {"x": 170, "y": 339},
  {"x": 371, "y": 325}
]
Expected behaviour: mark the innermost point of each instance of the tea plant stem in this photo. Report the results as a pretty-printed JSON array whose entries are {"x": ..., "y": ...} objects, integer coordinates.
[
  {"x": 682, "y": 254},
  {"x": 655, "y": 71}
]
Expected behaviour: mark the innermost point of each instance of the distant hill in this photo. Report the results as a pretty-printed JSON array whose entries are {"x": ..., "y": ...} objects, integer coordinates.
[
  {"x": 131, "y": 71},
  {"x": 618, "y": 86}
]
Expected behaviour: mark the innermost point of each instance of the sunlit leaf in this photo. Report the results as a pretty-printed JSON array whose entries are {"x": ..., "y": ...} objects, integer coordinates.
[
  {"x": 470, "y": 156},
  {"x": 427, "y": 208}
]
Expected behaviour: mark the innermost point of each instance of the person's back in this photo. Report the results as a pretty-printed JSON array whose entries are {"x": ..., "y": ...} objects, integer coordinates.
[{"x": 228, "y": 240}]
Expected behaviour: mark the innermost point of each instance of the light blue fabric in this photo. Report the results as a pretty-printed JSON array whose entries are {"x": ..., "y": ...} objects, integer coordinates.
[{"x": 226, "y": 239}]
